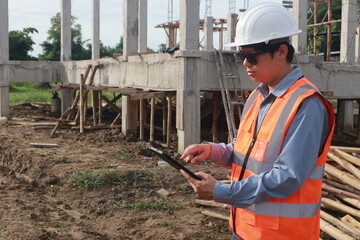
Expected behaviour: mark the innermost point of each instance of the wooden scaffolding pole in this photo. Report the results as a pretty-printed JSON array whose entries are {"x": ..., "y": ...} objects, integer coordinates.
[{"x": 328, "y": 39}]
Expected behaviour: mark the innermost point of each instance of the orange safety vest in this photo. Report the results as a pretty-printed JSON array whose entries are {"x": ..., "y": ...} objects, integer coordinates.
[{"x": 296, "y": 217}]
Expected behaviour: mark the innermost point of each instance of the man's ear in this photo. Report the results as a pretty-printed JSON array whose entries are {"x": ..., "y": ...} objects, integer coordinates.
[{"x": 283, "y": 51}]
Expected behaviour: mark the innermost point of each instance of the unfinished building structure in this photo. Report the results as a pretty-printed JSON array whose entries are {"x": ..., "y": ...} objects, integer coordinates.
[{"x": 183, "y": 74}]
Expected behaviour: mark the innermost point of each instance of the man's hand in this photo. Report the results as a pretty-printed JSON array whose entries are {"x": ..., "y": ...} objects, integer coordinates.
[
  {"x": 204, "y": 189},
  {"x": 195, "y": 153}
]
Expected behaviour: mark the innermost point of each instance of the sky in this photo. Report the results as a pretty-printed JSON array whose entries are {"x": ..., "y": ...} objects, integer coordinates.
[{"x": 37, "y": 14}]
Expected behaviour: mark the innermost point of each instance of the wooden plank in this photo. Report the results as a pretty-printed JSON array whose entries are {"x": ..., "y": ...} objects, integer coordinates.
[
  {"x": 111, "y": 104},
  {"x": 124, "y": 91},
  {"x": 145, "y": 95},
  {"x": 152, "y": 120},
  {"x": 97, "y": 88},
  {"x": 142, "y": 119},
  {"x": 169, "y": 118},
  {"x": 346, "y": 149},
  {"x": 44, "y": 145},
  {"x": 82, "y": 103}
]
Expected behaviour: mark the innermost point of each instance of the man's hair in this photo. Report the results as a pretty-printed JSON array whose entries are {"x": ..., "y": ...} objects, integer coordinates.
[{"x": 273, "y": 45}]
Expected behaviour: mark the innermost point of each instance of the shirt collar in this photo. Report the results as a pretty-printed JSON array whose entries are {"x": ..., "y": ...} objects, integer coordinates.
[{"x": 284, "y": 84}]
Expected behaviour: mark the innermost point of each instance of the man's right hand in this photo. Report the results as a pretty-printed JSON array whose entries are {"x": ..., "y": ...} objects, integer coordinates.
[{"x": 195, "y": 153}]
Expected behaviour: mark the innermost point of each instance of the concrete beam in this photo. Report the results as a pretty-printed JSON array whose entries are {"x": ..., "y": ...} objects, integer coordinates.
[
  {"x": 142, "y": 43},
  {"x": 96, "y": 30},
  {"x": 300, "y": 15},
  {"x": 65, "y": 30},
  {"x": 208, "y": 34},
  {"x": 189, "y": 24},
  {"x": 4, "y": 30},
  {"x": 349, "y": 24},
  {"x": 131, "y": 28}
]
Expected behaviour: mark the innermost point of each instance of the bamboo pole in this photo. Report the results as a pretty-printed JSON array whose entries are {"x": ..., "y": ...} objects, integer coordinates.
[
  {"x": 339, "y": 191},
  {"x": 164, "y": 115},
  {"x": 348, "y": 166},
  {"x": 352, "y": 201},
  {"x": 142, "y": 113},
  {"x": 214, "y": 214},
  {"x": 152, "y": 119},
  {"x": 346, "y": 149},
  {"x": 347, "y": 157},
  {"x": 349, "y": 220},
  {"x": 338, "y": 223},
  {"x": 352, "y": 181},
  {"x": 212, "y": 204},
  {"x": 341, "y": 207},
  {"x": 341, "y": 186},
  {"x": 333, "y": 231},
  {"x": 169, "y": 118},
  {"x": 82, "y": 103}
]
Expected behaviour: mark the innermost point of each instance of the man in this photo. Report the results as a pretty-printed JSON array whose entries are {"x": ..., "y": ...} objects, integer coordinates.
[{"x": 278, "y": 157}]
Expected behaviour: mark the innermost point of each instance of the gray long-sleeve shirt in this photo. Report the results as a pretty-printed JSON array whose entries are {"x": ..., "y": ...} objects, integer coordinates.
[{"x": 306, "y": 135}]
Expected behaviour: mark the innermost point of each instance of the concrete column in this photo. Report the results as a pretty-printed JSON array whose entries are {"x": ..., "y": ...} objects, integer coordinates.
[
  {"x": 130, "y": 115},
  {"x": 348, "y": 30},
  {"x": 66, "y": 99},
  {"x": 300, "y": 15},
  {"x": 4, "y": 30},
  {"x": 188, "y": 106},
  {"x": 4, "y": 56},
  {"x": 189, "y": 25},
  {"x": 231, "y": 28},
  {"x": 96, "y": 30},
  {"x": 65, "y": 30},
  {"x": 131, "y": 29},
  {"x": 143, "y": 5},
  {"x": 208, "y": 34}
]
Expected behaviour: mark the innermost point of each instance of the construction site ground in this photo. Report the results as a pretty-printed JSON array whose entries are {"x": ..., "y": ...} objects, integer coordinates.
[{"x": 55, "y": 193}]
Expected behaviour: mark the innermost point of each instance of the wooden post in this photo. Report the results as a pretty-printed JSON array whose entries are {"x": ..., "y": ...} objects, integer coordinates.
[
  {"x": 328, "y": 43},
  {"x": 100, "y": 106},
  {"x": 164, "y": 118},
  {"x": 152, "y": 118},
  {"x": 315, "y": 28},
  {"x": 142, "y": 122},
  {"x": 95, "y": 105},
  {"x": 358, "y": 122},
  {"x": 82, "y": 103},
  {"x": 169, "y": 117}
]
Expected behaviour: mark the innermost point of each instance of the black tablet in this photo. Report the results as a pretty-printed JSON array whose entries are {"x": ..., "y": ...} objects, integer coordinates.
[{"x": 172, "y": 161}]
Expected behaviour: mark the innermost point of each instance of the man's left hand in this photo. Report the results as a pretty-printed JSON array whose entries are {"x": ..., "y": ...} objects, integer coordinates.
[{"x": 204, "y": 189}]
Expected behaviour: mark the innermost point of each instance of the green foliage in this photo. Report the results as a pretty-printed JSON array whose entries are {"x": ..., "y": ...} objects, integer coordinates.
[
  {"x": 52, "y": 48},
  {"x": 162, "y": 47},
  {"x": 21, "y": 92},
  {"x": 21, "y": 43},
  {"x": 155, "y": 204}
]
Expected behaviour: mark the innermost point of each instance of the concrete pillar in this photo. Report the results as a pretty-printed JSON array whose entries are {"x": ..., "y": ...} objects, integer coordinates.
[
  {"x": 66, "y": 98},
  {"x": 349, "y": 24},
  {"x": 96, "y": 30},
  {"x": 142, "y": 47},
  {"x": 231, "y": 28},
  {"x": 130, "y": 115},
  {"x": 66, "y": 40},
  {"x": 189, "y": 25},
  {"x": 188, "y": 106},
  {"x": 349, "y": 116},
  {"x": 4, "y": 30},
  {"x": 65, "y": 30},
  {"x": 300, "y": 15},
  {"x": 131, "y": 29},
  {"x": 208, "y": 34},
  {"x": 4, "y": 56}
]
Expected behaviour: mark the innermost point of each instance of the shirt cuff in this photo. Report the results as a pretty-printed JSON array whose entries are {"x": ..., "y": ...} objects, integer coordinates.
[{"x": 222, "y": 192}]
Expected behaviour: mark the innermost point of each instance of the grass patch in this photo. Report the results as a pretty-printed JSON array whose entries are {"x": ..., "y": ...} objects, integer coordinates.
[
  {"x": 155, "y": 204},
  {"x": 20, "y": 92},
  {"x": 93, "y": 180}
]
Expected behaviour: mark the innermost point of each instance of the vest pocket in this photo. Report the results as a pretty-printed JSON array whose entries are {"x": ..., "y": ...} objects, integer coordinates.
[{"x": 262, "y": 221}]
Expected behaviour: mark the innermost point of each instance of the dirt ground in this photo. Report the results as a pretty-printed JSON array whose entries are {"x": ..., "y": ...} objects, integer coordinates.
[{"x": 41, "y": 196}]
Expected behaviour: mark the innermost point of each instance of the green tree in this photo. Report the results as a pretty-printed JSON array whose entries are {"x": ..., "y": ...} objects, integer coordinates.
[
  {"x": 21, "y": 43},
  {"x": 52, "y": 48},
  {"x": 162, "y": 47}
]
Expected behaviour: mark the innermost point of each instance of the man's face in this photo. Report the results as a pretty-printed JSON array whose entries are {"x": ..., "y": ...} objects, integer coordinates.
[{"x": 261, "y": 66}]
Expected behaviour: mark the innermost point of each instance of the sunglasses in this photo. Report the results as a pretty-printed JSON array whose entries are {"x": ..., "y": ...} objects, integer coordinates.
[{"x": 251, "y": 57}]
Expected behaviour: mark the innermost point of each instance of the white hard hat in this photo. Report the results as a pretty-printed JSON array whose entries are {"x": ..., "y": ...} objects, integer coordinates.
[{"x": 262, "y": 23}]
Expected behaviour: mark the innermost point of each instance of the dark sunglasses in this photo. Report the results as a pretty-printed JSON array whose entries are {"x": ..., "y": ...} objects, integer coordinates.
[{"x": 251, "y": 57}]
